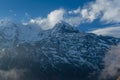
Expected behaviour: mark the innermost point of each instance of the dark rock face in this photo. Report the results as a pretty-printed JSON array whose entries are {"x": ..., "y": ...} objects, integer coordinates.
[{"x": 64, "y": 54}]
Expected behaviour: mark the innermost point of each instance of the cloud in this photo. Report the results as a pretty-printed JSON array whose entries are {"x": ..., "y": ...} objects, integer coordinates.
[
  {"x": 52, "y": 18},
  {"x": 106, "y": 10},
  {"x": 76, "y": 11},
  {"x": 87, "y": 16},
  {"x": 13, "y": 74},
  {"x": 109, "y": 31},
  {"x": 111, "y": 11},
  {"x": 56, "y": 16},
  {"x": 112, "y": 63}
]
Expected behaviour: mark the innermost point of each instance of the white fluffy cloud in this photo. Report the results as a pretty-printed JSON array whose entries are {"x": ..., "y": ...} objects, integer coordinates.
[
  {"x": 109, "y": 31},
  {"x": 57, "y": 16},
  {"x": 108, "y": 11},
  {"x": 52, "y": 18},
  {"x": 111, "y": 11}
]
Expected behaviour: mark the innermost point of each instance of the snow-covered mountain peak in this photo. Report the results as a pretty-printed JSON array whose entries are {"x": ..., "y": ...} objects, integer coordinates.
[
  {"x": 61, "y": 49},
  {"x": 65, "y": 28}
]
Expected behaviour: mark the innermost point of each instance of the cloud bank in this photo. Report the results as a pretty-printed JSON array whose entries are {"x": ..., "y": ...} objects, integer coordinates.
[
  {"x": 109, "y": 31},
  {"x": 112, "y": 63},
  {"x": 105, "y": 10}
]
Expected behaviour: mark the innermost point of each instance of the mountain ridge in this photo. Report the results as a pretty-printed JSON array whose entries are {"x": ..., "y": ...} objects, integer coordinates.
[{"x": 61, "y": 53}]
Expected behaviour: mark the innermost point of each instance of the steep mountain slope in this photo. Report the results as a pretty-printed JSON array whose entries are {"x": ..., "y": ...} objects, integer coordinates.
[{"x": 62, "y": 53}]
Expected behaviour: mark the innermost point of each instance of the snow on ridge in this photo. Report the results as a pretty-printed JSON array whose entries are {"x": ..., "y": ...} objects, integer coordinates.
[{"x": 11, "y": 32}]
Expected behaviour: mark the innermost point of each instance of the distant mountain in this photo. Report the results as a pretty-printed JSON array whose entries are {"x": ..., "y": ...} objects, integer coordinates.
[{"x": 61, "y": 53}]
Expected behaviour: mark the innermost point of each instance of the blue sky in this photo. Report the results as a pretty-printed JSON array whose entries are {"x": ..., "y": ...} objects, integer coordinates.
[
  {"x": 87, "y": 14},
  {"x": 36, "y": 8}
]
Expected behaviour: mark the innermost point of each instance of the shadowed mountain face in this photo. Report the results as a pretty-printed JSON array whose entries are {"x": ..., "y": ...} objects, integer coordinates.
[{"x": 61, "y": 53}]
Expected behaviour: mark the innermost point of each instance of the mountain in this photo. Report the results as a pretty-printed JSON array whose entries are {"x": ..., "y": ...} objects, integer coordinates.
[
  {"x": 12, "y": 33},
  {"x": 61, "y": 53}
]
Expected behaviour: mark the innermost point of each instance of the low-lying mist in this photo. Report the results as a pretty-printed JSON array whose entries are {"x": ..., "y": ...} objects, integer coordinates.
[{"x": 111, "y": 63}]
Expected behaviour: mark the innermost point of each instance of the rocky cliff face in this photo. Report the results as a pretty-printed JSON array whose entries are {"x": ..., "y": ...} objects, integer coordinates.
[{"x": 61, "y": 53}]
